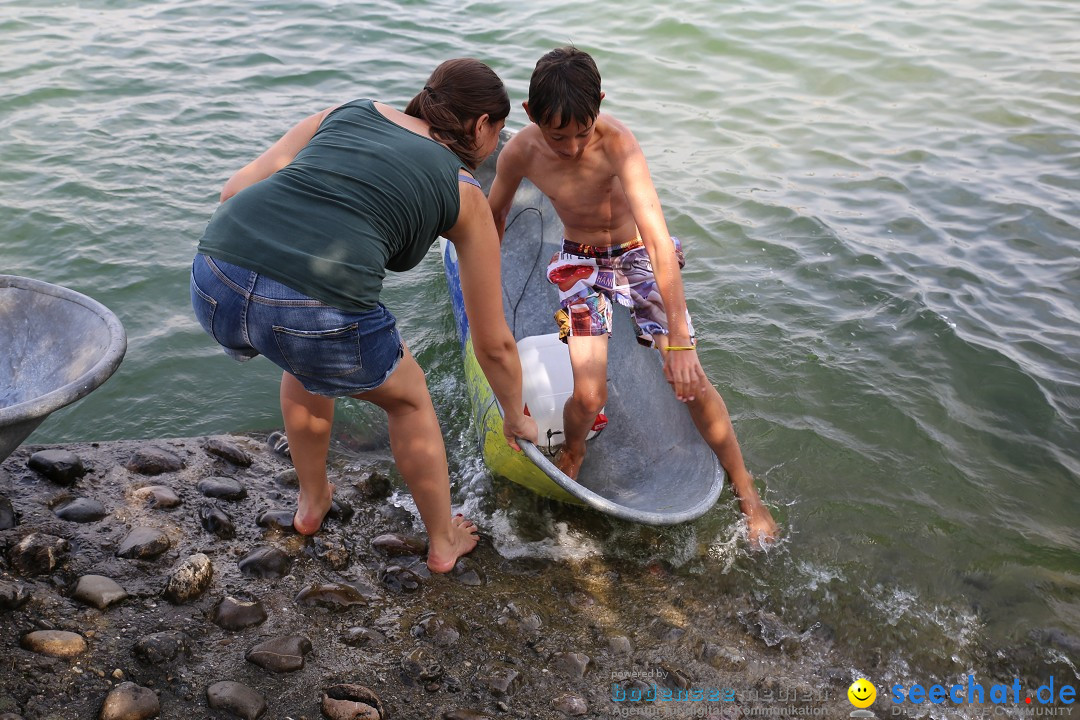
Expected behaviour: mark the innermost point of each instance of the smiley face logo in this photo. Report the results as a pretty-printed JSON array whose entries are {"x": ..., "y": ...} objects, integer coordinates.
[{"x": 862, "y": 693}]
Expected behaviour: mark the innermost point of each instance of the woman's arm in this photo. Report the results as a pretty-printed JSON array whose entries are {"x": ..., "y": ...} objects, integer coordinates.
[
  {"x": 477, "y": 246},
  {"x": 277, "y": 156}
]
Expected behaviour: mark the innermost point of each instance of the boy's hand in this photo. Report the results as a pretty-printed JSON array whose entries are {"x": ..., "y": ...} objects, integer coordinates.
[
  {"x": 683, "y": 371},
  {"x": 523, "y": 427}
]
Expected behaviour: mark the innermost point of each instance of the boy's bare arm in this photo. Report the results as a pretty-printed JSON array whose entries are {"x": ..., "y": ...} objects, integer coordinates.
[
  {"x": 682, "y": 369},
  {"x": 633, "y": 173},
  {"x": 509, "y": 172}
]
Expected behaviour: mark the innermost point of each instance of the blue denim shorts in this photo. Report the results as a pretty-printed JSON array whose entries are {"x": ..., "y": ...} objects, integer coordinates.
[{"x": 331, "y": 352}]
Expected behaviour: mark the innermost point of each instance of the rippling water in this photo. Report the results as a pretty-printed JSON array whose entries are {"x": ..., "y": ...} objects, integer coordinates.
[{"x": 880, "y": 204}]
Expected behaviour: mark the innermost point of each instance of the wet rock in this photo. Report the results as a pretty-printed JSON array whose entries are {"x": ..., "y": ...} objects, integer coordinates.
[
  {"x": 161, "y": 647},
  {"x": 265, "y": 562},
  {"x": 351, "y": 702},
  {"x": 521, "y": 617},
  {"x": 38, "y": 553},
  {"x": 580, "y": 600},
  {"x": 373, "y": 486},
  {"x": 333, "y": 596},
  {"x": 570, "y": 704},
  {"x": 222, "y": 488},
  {"x": 340, "y": 511},
  {"x": 769, "y": 627},
  {"x": 227, "y": 451},
  {"x": 128, "y": 701},
  {"x": 422, "y": 664},
  {"x": 1059, "y": 639},
  {"x": 153, "y": 461},
  {"x": 277, "y": 519},
  {"x": 98, "y": 591},
  {"x": 158, "y": 497},
  {"x": 464, "y": 714},
  {"x": 466, "y": 573},
  {"x": 287, "y": 478},
  {"x": 361, "y": 637},
  {"x": 723, "y": 658},
  {"x": 673, "y": 677},
  {"x": 619, "y": 645},
  {"x": 438, "y": 629},
  {"x": 574, "y": 664},
  {"x": 143, "y": 543},
  {"x": 396, "y": 514},
  {"x": 498, "y": 678},
  {"x": 236, "y": 698},
  {"x": 395, "y": 544},
  {"x": 670, "y": 635},
  {"x": 61, "y": 466},
  {"x": 57, "y": 643},
  {"x": 13, "y": 595},
  {"x": 526, "y": 566},
  {"x": 190, "y": 579},
  {"x": 234, "y": 614},
  {"x": 280, "y": 654},
  {"x": 216, "y": 521},
  {"x": 81, "y": 510},
  {"x": 331, "y": 551},
  {"x": 399, "y": 579},
  {"x": 8, "y": 519}
]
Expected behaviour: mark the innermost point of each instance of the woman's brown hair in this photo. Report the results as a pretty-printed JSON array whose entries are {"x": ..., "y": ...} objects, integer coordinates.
[{"x": 455, "y": 96}]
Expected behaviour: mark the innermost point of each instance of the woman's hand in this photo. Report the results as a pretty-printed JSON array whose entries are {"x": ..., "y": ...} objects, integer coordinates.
[
  {"x": 683, "y": 371},
  {"x": 523, "y": 426}
]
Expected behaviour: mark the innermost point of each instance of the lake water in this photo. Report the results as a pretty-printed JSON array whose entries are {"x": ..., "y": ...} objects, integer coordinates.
[{"x": 880, "y": 204}]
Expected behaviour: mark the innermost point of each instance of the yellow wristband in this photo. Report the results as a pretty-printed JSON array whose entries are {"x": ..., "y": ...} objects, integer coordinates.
[{"x": 682, "y": 347}]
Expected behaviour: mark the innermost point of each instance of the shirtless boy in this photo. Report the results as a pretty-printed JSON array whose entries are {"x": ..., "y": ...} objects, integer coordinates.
[{"x": 594, "y": 172}]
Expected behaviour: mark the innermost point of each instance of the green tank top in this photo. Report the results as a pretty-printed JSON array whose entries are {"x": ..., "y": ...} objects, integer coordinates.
[{"x": 364, "y": 196}]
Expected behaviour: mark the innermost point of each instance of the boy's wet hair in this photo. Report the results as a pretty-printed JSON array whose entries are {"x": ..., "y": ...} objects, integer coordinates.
[{"x": 565, "y": 86}]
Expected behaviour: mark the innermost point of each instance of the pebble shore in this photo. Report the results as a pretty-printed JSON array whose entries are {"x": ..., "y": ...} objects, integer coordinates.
[{"x": 145, "y": 579}]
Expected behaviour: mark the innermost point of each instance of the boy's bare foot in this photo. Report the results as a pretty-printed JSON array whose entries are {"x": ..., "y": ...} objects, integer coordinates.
[
  {"x": 760, "y": 526},
  {"x": 569, "y": 462},
  {"x": 311, "y": 511},
  {"x": 443, "y": 555}
]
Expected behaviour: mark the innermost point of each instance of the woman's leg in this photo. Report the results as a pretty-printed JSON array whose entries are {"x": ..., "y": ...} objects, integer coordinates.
[
  {"x": 417, "y": 443},
  {"x": 308, "y": 419}
]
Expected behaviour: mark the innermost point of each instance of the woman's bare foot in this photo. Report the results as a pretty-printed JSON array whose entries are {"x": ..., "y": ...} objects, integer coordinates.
[
  {"x": 569, "y": 462},
  {"x": 444, "y": 554},
  {"x": 311, "y": 511}
]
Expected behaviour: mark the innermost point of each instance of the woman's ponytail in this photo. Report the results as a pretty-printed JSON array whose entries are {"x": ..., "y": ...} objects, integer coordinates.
[{"x": 454, "y": 97}]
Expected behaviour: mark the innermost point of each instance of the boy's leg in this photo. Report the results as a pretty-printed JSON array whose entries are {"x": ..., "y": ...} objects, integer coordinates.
[
  {"x": 588, "y": 358},
  {"x": 710, "y": 415},
  {"x": 708, "y": 410}
]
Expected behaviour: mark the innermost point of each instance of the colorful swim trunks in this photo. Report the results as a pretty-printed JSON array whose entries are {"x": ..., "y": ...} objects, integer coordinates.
[{"x": 590, "y": 277}]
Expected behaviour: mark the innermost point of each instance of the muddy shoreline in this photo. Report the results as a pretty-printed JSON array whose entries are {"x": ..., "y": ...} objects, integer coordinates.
[{"x": 498, "y": 637}]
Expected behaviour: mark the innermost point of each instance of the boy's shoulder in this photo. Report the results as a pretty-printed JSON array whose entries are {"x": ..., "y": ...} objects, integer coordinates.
[
  {"x": 615, "y": 135},
  {"x": 525, "y": 137},
  {"x": 611, "y": 136}
]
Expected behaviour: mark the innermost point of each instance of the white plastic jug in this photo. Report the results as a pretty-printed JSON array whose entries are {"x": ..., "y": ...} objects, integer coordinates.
[{"x": 547, "y": 381}]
